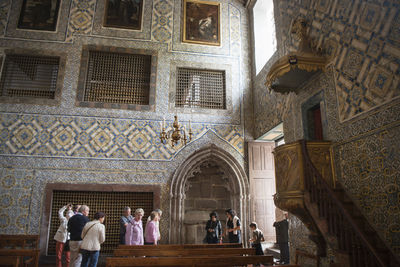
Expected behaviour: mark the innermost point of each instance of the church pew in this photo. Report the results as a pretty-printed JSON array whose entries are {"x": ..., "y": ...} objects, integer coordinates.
[
  {"x": 30, "y": 257},
  {"x": 179, "y": 246},
  {"x": 204, "y": 261},
  {"x": 9, "y": 261},
  {"x": 164, "y": 252},
  {"x": 19, "y": 241}
]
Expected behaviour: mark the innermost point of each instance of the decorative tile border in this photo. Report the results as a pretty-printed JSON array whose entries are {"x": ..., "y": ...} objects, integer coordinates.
[
  {"x": 162, "y": 21},
  {"x": 85, "y": 137},
  {"x": 80, "y": 18}
]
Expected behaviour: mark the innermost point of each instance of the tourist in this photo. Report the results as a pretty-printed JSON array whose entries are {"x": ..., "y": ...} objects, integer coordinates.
[
  {"x": 151, "y": 232},
  {"x": 232, "y": 226},
  {"x": 75, "y": 227},
  {"x": 123, "y": 223},
  {"x": 214, "y": 229},
  {"x": 257, "y": 237},
  {"x": 159, "y": 212},
  {"x": 76, "y": 208},
  {"x": 62, "y": 236},
  {"x": 93, "y": 235},
  {"x": 134, "y": 229},
  {"x": 282, "y": 238}
]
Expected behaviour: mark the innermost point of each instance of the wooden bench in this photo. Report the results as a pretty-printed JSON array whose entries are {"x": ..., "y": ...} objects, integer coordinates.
[
  {"x": 185, "y": 246},
  {"x": 195, "y": 261},
  {"x": 170, "y": 252},
  {"x": 29, "y": 257},
  {"x": 19, "y": 241},
  {"x": 9, "y": 261}
]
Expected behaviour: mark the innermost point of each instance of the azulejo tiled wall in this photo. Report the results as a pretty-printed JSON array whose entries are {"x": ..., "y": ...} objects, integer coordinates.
[
  {"x": 85, "y": 137},
  {"x": 369, "y": 170},
  {"x": 42, "y": 144},
  {"x": 360, "y": 101},
  {"x": 15, "y": 198},
  {"x": 363, "y": 38}
]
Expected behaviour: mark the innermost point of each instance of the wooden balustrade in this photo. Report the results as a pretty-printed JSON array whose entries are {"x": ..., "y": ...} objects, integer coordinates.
[{"x": 340, "y": 223}]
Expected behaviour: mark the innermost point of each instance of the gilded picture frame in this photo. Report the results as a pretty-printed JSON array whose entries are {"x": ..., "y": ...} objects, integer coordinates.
[
  {"x": 201, "y": 22},
  {"x": 124, "y": 14}
]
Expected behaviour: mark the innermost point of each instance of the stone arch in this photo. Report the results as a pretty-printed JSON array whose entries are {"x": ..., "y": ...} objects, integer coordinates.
[{"x": 236, "y": 177}]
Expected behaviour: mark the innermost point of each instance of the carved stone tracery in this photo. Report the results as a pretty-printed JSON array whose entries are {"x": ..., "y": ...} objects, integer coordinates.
[{"x": 237, "y": 185}]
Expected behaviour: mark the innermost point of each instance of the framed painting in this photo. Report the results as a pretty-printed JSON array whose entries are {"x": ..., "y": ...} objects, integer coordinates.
[
  {"x": 126, "y": 14},
  {"x": 39, "y": 15},
  {"x": 201, "y": 22}
]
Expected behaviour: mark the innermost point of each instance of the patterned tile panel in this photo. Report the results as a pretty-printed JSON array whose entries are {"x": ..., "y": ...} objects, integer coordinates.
[
  {"x": 162, "y": 21},
  {"x": 62, "y": 136},
  {"x": 363, "y": 39},
  {"x": 370, "y": 173},
  {"x": 15, "y": 200},
  {"x": 81, "y": 18},
  {"x": 235, "y": 30}
]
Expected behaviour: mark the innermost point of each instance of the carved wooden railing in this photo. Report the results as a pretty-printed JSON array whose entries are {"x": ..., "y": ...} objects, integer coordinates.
[{"x": 340, "y": 223}]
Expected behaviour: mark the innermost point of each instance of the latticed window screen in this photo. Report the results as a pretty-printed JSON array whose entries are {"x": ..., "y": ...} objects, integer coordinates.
[
  {"x": 118, "y": 78},
  {"x": 29, "y": 76},
  {"x": 112, "y": 203},
  {"x": 200, "y": 88}
]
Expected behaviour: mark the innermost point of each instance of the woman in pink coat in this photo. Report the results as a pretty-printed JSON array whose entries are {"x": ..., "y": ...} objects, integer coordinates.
[{"x": 134, "y": 229}]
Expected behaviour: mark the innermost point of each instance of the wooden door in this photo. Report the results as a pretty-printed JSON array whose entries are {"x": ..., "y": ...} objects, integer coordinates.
[{"x": 262, "y": 186}]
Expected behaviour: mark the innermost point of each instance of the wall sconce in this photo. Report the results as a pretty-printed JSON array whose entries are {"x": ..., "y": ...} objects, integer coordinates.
[{"x": 176, "y": 134}]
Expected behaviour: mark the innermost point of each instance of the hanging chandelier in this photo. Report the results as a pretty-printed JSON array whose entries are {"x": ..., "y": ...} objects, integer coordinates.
[{"x": 176, "y": 133}]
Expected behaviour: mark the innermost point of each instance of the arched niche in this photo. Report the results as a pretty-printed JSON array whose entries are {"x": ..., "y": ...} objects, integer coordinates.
[{"x": 236, "y": 180}]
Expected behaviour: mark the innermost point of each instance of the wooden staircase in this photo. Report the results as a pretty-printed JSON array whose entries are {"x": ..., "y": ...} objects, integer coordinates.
[{"x": 332, "y": 217}]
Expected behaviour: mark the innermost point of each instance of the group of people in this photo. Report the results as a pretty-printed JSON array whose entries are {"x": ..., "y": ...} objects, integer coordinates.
[
  {"x": 131, "y": 228},
  {"x": 77, "y": 237},
  {"x": 80, "y": 239},
  {"x": 214, "y": 233},
  {"x": 232, "y": 231}
]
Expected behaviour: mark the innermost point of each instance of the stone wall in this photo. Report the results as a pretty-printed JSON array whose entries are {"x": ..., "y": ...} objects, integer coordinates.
[
  {"x": 360, "y": 101},
  {"x": 65, "y": 143}
]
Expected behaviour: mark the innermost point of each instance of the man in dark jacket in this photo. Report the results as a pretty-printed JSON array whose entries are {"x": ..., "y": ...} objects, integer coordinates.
[
  {"x": 75, "y": 227},
  {"x": 282, "y": 238}
]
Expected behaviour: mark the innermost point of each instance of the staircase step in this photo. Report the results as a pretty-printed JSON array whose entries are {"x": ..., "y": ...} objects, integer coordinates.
[{"x": 342, "y": 195}]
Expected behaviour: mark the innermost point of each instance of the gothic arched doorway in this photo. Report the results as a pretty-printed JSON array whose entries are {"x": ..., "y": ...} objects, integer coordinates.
[{"x": 210, "y": 179}]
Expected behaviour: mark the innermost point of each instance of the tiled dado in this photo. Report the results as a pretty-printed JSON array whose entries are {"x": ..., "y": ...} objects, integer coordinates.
[{"x": 88, "y": 137}]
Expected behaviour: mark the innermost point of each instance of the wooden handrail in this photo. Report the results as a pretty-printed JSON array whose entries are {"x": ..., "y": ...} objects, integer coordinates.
[{"x": 313, "y": 177}]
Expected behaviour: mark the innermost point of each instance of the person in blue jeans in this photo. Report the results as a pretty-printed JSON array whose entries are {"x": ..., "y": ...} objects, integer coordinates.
[{"x": 93, "y": 235}]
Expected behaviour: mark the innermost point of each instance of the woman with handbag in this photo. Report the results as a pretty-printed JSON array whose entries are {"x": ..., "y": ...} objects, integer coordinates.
[
  {"x": 62, "y": 236},
  {"x": 93, "y": 234}
]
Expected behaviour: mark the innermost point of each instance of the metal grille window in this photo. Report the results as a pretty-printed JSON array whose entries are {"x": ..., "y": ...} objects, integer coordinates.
[
  {"x": 112, "y": 203},
  {"x": 29, "y": 76},
  {"x": 118, "y": 78},
  {"x": 200, "y": 88}
]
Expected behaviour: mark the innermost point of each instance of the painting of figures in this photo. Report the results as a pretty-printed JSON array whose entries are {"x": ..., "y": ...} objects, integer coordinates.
[{"x": 201, "y": 22}]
